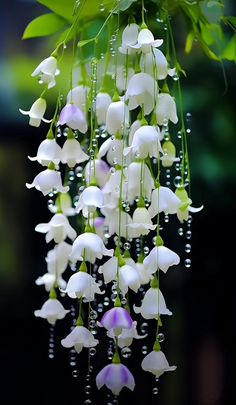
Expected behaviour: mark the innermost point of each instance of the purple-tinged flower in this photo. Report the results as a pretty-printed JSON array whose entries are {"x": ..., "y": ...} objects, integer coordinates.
[
  {"x": 73, "y": 117},
  {"x": 115, "y": 377},
  {"x": 116, "y": 318}
]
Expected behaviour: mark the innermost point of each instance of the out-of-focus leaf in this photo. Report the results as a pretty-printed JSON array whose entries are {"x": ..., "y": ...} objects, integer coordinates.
[
  {"x": 46, "y": 24},
  {"x": 212, "y": 33},
  {"x": 230, "y": 50},
  {"x": 208, "y": 51},
  {"x": 124, "y": 5},
  {"x": 64, "y": 8},
  {"x": 231, "y": 21}
]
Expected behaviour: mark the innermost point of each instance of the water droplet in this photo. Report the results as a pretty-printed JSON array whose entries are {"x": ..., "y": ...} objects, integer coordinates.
[
  {"x": 87, "y": 402},
  {"x": 106, "y": 301},
  {"x": 126, "y": 352},
  {"x": 156, "y": 379},
  {"x": 166, "y": 218},
  {"x": 100, "y": 307},
  {"x": 180, "y": 231},
  {"x": 92, "y": 351},
  {"x": 102, "y": 7},
  {"x": 87, "y": 389},
  {"x": 144, "y": 350},
  {"x": 110, "y": 354},
  {"x": 187, "y": 263},
  {"x": 188, "y": 130},
  {"x": 175, "y": 78},
  {"x": 75, "y": 373},
  {"x": 146, "y": 250},
  {"x": 124, "y": 301},
  {"x": 93, "y": 314},
  {"x": 188, "y": 117},
  {"x": 155, "y": 391},
  {"x": 188, "y": 235},
  {"x": 92, "y": 323},
  {"x": 179, "y": 134},
  {"x": 127, "y": 245},
  {"x": 178, "y": 181},
  {"x": 187, "y": 248},
  {"x": 71, "y": 175},
  {"x": 161, "y": 337},
  {"x": 144, "y": 327},
  {"x": 154, "y": 240}
]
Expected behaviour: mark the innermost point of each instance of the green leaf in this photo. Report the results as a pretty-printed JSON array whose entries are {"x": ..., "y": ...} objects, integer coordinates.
[
  {"x": 230, "y": 50},
  {"x": 208, "y": 51},
  {"x": 85, "y": 42},
  {"x": 212, "y": 34},
  {"x": 64, "y": 8},
  {"x": 46, "y": 24},
  {"x": 231, "y": 21}
]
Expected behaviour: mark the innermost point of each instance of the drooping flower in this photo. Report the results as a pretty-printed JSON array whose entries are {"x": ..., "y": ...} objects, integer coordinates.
[
  {"x": 166, "y": 109},
  {"x": 36, "y": 112},
  {"x": 122, "y": 77},
  {"x": 134, "y": 173},
  {"x": 116, "y": 319},
  {"x": 146, "y": 142},
  {"x": 129, "y": 38},
  {"x": 128, "y": 278},
  {"x": 117, "y": 117},
  {"x": 141, "y": 91},
  {"x": 89, "y": 246},
  {"x": 78, "y": 96},
  {"x": 115, "y": 376},
  {"x": 73, "y": 117},
  {"x": 146, "y": 41},
  {"x": 161, "y": 258},
  {"x": 156, "y": 363},
  {"x": 82, "y": 284},
  {"x": 58, "y": 228},
  {"x": 153, "y": 305},
  {"x": 142, "y": 223},
  {"x": 103, "y": 100},
  {"x": 48, "y": 151},
  {"x": 51, "y": 310},
  {"x": 156, "y": 65},
  {"x": 97, "y": 170},
  {"x": 90, "y": 199},
  {"x": 72, "y": 153},
  {"x": 114, "y": 150},
  {"x": 163, "y": 199},
  {"x": 48, "y": 180},
  {"x": 79, "y": 337},
  {"x": 126, "y": 337},
  {"x": 47, "y": 70}
]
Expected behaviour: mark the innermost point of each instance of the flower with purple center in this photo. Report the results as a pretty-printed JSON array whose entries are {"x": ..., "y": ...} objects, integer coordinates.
[
  {"x": 73, "y": 117},
  {"x": 117, "y": 319},
  {"x": 115, "y": 376}
]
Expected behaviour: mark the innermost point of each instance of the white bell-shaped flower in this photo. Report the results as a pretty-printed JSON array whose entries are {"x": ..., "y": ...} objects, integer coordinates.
[
  {"x": 90, "y": 199},
  {"x": 73, "y": 117},
  {"x": 78, "y": 96},
  {"x": 57, "y": 261},
  {"x": 156, "y": 65},
  {"x": 57, "y": 229},
  {"x": 117, "y": 117},
  {"x": 112, "y": 188},
  {"x": 89, "y": 246},
  {"x": 125, "y": 339},
  {"x": 134, "y": 173},
  {"x": 146, "y": 142},
  {"x": 169, "y": 154},
  {"x": 72, "y": 153},
  {"x": 103, "y": 100},
  {"x": 161, "y": 258},
  {"x": 163, "y": 199},
  {"x": 109, "y": 269},
  {"x": 153, "y": 305},
  {"x": 115, "y": 376},
  {"x": 142, "y": 223},
  {"x": 58, "y": 258},
  {"x": 156, "y": 363},
  {"x": 118, "y": 223},
  {"x": 141, "y": 91},
  {"x": 82, "y": 285},
  {"x": 123, "y": 77},
  {"x": 51, "y": 310},
  {"x": 128, "y": 278},
  {"x": 48, "y": 151},
  {"x": 97, "y": 169},
  {"x": 129, "y": 38},
  {"x": 48, "y": 180},
  {"x": 146, "y": 41},
  {"x": 47, "y": 70},
  {"x": 114, "y": 150},
  {"x": 144, "y": 275},
  {"x": 36, "y": 112},
  {"x": 134, "y": 127},
  {"x": 78, "y": 338},
  {"x": 166, "y": 109}
]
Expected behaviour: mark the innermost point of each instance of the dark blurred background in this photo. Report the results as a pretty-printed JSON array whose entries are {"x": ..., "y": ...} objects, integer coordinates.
[{"x": 200, "y": 337}]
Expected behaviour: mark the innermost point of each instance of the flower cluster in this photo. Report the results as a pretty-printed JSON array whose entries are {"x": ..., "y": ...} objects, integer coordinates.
[{"x": 110, "y": 195}]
